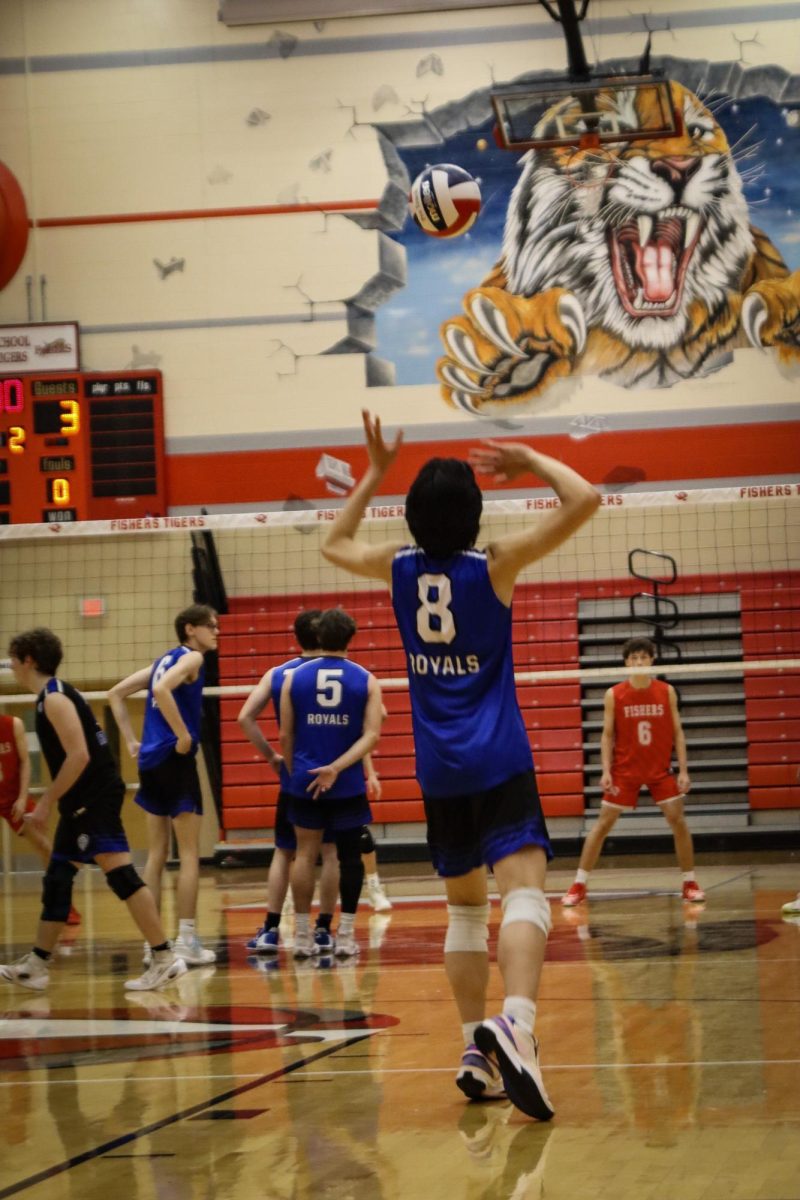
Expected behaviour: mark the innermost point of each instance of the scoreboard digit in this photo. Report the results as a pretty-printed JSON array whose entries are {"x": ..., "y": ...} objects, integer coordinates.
[{"x": 81, "y": 447}]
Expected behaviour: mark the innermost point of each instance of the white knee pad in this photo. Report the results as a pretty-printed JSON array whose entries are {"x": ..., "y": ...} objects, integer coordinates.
[
  {"x": 467, "y": 928},
  {"x": 527, "y": 904}
]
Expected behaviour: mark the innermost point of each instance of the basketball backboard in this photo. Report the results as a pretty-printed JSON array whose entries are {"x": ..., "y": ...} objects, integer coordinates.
[{"x": 589, "y": 113}]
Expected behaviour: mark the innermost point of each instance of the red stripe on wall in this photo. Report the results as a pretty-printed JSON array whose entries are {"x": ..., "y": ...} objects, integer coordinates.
[
  {"x": 634, "y": 456},
  {"x": 206, "y": 214}
]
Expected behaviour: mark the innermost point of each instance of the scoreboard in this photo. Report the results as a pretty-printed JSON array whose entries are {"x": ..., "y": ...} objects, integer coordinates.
[{"x": 81, "y": 446}]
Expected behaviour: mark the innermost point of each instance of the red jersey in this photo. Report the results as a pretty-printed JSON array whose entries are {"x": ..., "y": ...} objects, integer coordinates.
[
  {"x": 9, "y": 762},
  {"x": 643, "y": 731}
]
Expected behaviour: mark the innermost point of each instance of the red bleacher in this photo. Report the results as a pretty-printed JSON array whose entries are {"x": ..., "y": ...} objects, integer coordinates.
[{"x": 257, "y": 633}]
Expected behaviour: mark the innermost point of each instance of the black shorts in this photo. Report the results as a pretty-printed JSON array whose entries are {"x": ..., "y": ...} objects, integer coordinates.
[
  {"x": 285, "y": 836},
  {"x": 480, "y": 828},
  {"x": 333, "y": 816},
  {"x": 84, "y": 832},
  {"x": 172, "y": 787}
]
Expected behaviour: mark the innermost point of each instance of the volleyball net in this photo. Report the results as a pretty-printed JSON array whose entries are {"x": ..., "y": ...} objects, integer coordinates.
[{"x": 711, "y": 576}]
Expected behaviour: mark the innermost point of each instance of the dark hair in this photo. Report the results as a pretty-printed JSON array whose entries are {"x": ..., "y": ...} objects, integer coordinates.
[
  {"x": 195, "y": 614},
  {"x": 305, "y": 628},
  {"x": 638, "y": 643},
  {"x": 335, "y": 629},
  {"x": 443, "y": 507},
  {"x": 40, "y": 644}
]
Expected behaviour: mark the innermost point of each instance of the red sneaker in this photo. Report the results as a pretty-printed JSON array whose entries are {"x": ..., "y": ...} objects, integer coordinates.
[
  {"x": 575, "y": 895},
  {"x": 693, "y": 893},
  {"x": 74, "y": 917}
]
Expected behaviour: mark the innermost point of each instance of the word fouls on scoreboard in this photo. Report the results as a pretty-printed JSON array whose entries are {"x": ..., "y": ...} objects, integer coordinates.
[{"x": 57, "y": 417}]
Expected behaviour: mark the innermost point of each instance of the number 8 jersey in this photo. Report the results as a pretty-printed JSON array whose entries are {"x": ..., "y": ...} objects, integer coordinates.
[
  {"x": 643, "y": 731},
  {"x": 469, "y": 735}
]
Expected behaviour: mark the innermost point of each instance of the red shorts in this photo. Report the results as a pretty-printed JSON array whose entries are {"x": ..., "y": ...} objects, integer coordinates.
[
  {"x": 625, "y": 792},
  {"x": 5, "y": 812}
]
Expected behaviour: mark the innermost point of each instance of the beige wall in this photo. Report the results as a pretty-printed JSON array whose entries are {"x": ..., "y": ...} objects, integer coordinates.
[{"x": 176, "y": 137}]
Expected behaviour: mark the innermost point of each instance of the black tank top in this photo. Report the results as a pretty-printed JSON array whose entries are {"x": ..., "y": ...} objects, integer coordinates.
[{"x": 100, "y": 776}]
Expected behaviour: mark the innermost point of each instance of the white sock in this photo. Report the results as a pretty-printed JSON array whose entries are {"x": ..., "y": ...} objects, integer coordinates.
[
  {"x": 346, "y": 923},
  {"x": 688, "y": 877},
  {"x": 581, "y": 876},
  {"x": 468, "y": 1029},
  {"x": 186, "y": 930},
  {"x": 301, "y": 924},
  {"x": 521, "y": 1010},
  {"x": 373, "y": 880}
]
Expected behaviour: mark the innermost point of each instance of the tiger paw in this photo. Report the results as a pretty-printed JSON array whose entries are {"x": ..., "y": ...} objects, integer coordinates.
[
  {"x": 509, "y": 349},
  {"x": 771, "y": 317}
]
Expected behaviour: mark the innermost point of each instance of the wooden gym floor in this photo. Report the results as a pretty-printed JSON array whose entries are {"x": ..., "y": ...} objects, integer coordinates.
[{"x": 670, "y": 1043}]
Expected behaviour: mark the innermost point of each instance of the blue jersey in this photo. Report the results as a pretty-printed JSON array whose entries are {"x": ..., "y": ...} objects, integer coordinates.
[
  {"x": 468, "y": 729},
  {"x": 329, "y": 697},
  {"x": 276, "y": 683},
  {"x": 158, "y": 740}
]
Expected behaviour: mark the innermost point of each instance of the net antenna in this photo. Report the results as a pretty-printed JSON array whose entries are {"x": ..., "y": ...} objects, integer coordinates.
[{"x": 580, "y": 108}]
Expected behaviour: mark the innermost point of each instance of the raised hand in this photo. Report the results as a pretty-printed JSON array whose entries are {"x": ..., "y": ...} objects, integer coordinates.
[
  {"x": 381, "y": 456},
  {"x": 501, "y": 460}
]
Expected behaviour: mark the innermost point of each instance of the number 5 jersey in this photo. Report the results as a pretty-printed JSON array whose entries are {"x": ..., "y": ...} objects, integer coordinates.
[{"x": 469, "y": 735}]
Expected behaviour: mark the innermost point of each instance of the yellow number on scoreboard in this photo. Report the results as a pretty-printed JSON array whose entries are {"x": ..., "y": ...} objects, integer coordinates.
[
  {"x": 61, "y": 491},
  {"x": 70, "y": 417}
]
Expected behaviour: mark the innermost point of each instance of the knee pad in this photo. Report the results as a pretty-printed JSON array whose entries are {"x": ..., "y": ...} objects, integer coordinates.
[
  {"x": 124, "y": 881},
  {"x": 57, "y": 891},
  {"x": 467, "y": 928},
  {"x": 367, "y": 840},
  {"x": 527, "y": 904}
]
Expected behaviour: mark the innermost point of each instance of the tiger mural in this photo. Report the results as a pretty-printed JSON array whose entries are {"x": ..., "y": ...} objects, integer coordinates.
[{"x": 637, "y": 263}]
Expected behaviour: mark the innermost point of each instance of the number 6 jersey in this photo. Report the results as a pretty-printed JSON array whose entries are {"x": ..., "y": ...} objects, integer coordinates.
[
  {"x": 469, "y": 735},
  {"x": 643, "y": 730}
]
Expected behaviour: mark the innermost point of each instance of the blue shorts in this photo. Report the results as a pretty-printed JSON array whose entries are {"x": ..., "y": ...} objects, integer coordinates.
[
  {"x": 84, "y": 832},
  {"x": 171, "y": 788},
  {"x": 285, "y": 836},
  {"x": 334, "y": 816},
  {"x": 478, "y": 829}
]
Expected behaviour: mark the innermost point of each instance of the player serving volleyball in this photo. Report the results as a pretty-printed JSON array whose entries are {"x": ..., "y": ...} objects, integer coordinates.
[{"x": 452, "y": 604}]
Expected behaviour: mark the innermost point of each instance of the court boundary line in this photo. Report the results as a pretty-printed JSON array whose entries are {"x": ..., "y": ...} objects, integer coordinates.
[
  {"x": 595, "y": 1066},
  {"x": 125, "y": 1139}
]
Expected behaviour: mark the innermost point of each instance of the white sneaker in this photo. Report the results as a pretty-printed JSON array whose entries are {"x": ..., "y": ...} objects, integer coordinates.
[
  {"x": 157, "y": 975},
  {"x": 792, "y": 907},
  {"x": 346, "y": 945},
  {"x": 30, "y": 971},
  {"x": 478, "y": 1078},
  {"x": 516, "y": 1054},
  {"x": 304, "y": 946},
  {"x": 377, "y": 897},
  {"x": 193, "y": 952}
]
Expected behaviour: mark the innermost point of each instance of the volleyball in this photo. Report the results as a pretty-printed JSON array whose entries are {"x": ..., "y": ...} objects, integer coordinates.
[{"x": 444, "y": 200}]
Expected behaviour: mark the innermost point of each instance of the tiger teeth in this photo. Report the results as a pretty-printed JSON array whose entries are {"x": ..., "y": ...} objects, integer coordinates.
[
  {"x": 645, "y": 230},
  {"x": 692, "y": 226}
]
